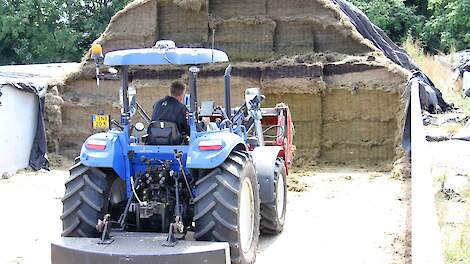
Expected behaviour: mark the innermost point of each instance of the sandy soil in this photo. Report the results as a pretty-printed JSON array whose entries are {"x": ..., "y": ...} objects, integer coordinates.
[
  {"x": 31, "y": 208},
  {"x": 343, "y": 217}
]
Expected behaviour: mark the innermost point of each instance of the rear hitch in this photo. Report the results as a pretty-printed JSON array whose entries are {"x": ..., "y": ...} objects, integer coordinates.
[
  {"x": 171, "y": 240},
  {"x": 176, "y": 228},
  {"x": 103, "y": 228}
]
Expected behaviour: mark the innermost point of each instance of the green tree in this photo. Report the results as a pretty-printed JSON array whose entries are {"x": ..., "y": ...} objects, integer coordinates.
[
  {"x": 393, "y": 16},
  {"x": 448, "y": 26},
  {"x": 43, "y": 31},
  {"x": 438, "y": 24},
  {"x": 420, "y": 6},
  {"x": 34, "y": 31},
  {"x": 91, "y": 18}
]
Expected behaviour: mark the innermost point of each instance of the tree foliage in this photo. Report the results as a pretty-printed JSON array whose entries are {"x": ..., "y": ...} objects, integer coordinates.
[
  {"x": 439, "y": 24},
  {"x": 42, "y": 31},
  {"x": 448, "y": 26},
  {"x": 393, "y": 16}
]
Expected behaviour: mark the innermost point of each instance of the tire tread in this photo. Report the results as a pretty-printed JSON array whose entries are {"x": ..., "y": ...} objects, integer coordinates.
[
  {"x": 216, "y": 213},
  {"x": 84, "y": 201},
  {"x": 269, "y": 223}
]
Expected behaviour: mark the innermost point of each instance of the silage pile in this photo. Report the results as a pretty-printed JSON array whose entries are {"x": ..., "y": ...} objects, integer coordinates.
[{"x": 345, "y": 95}]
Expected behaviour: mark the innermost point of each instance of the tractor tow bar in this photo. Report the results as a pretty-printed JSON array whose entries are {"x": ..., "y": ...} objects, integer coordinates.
[
  {"x": 104, "y": 229},
  {"x": 177, "y": 227},
  {"x": 122, "y": 218}
]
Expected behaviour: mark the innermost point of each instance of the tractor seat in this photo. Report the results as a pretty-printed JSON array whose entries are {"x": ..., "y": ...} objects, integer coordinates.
[{"x": 163, "y": 133}]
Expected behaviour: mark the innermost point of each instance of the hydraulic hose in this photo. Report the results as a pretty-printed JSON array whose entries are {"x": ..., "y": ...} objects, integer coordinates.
[{"x": 134, "y": 192}]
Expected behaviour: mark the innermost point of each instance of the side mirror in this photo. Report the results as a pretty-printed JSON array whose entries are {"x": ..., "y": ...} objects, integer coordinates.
[
  {"x": 139, "y": 127},
  {"x": 133, "y": 105},
  {"x": 252, "y": 95}
]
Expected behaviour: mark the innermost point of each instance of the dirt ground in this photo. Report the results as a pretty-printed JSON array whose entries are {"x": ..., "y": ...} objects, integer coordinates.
[{"x": 343, "y": 216}]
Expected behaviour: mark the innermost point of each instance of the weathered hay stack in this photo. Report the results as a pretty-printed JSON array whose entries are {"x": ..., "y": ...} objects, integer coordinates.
[{"x": 344, "y": 94}]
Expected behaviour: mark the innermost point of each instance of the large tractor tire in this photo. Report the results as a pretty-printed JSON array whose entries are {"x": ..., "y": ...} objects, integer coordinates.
[
  {"x": 85, "y": 201},
  {"x": 227, "y": 207},
  {"x": 273, "y": 214}
]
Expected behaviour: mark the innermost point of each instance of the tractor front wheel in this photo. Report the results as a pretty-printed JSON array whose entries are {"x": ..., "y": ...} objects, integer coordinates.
[
  {"x": 227, "y": 207},
  {"x": 273, "y": 214},
  {"x": 85, "y": 201}
]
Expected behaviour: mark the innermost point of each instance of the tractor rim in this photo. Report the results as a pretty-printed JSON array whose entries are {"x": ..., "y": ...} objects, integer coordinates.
[
  {"x": 247, "y": 215},
  {"x": 280, "y": 197}
]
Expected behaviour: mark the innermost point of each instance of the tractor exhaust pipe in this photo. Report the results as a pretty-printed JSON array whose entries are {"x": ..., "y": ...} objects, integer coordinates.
[
  {"x": 228, "y": 86},
  {"x": 193, "y": 71},
  {"x": 125, "y": 98}
]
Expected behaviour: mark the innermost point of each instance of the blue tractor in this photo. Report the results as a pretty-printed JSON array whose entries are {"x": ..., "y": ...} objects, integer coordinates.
[{"x": 225, "y": 181}]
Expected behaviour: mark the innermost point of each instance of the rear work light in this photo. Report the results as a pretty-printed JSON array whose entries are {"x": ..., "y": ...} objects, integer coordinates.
[
  {"x": 96, "y": 144},
  {"x": 210, "y": 145}
]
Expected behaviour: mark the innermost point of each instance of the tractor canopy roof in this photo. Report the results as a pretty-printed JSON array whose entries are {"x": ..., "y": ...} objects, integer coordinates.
[{"x": 164, "y": 56}]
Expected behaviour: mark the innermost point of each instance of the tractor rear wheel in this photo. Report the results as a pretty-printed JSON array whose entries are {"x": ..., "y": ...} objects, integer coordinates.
[
  {"x": 85, "y": 201},
  {"x": 227, "y": 207},
  {"x": 273, "y": 214}
]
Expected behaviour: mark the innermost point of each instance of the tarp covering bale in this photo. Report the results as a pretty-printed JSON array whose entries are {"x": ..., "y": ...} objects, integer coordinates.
[
  {"x": 461, "y": 68},
  {"x": 344, "y": 94},
  {"x": 26, "y": 107},
  {"x": 19, "y": 119}
]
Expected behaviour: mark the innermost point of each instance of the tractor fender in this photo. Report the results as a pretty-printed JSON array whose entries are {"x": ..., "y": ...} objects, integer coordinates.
[
  {"x": 264, "y": 159},
  {"x": 112, "y": 156},
  {"x": 209, "y": 159}
]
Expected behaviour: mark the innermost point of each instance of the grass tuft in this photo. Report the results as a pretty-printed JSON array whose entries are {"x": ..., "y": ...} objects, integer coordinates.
[{"x": 439, "y": 70}]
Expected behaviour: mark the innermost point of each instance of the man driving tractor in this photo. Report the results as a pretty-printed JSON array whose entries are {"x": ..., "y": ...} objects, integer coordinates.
[{"x": 172, "y": 109}]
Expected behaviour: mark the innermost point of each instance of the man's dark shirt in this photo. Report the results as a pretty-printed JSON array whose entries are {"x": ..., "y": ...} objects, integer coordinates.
[{"x": 169, "y": 109}]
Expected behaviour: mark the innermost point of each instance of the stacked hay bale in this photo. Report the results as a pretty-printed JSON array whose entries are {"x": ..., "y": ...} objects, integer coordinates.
[{"x": 345, "y": 96}]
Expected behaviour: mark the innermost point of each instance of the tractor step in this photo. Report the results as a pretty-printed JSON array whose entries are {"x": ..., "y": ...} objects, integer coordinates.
[{"x": 132, "y": 247}]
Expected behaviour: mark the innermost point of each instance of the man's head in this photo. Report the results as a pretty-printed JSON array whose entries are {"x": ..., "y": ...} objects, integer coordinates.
[{"x": 177, "y": 90}]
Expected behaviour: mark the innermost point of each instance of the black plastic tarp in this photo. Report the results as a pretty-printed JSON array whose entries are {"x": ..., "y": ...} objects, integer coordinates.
[
  {"x": 34, "y": 78},
  {"x": 462, "y": 65},
  {"x": 462, "y": 61}
]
